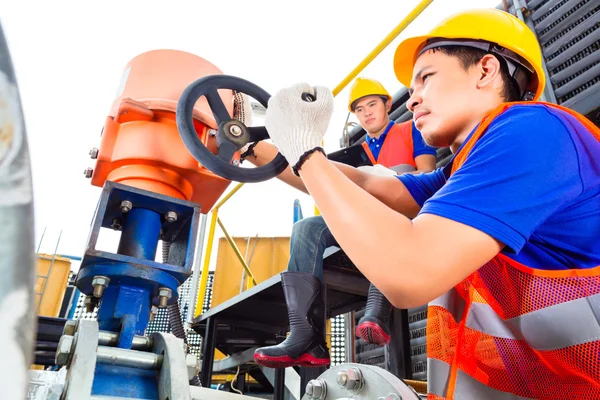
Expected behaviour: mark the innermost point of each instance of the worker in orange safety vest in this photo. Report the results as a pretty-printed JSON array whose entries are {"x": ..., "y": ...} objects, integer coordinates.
[{"x": 503, "y": 242}]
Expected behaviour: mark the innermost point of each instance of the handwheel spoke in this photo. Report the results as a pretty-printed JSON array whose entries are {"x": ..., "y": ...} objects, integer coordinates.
[
  {"x": 226, "y": 151},
  {"x": 216, "y": 105},
  {"x": 257, "y": 133}
]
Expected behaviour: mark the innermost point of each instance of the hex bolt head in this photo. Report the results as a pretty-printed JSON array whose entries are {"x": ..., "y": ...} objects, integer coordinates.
[
  {"x": 94, "y": 153},
  {"x": 63, "y": 351},
  {"x": 193, "y": 365},
  {"x": 236, "y": 162},
  {"x": 116, "y": 224},
  {"x": 171, "y": 216},
  {"x": 90, "y": 304},
  {"x": 316, "y": 389},
  {"x": 88, "y": 172},
  {"x": 126, "y": 206},
  {"x": 70, "y": 327},
  {"x": 164, "y": 294},
  {"x": 212, "y": 132},
  {"x": 355, "y": 380},
  {"x": 342, "y": 379},
  {"x": 235, "y": 130},
  {"x": 153, "y": 313},
  {"x": 100, "y": 283}
]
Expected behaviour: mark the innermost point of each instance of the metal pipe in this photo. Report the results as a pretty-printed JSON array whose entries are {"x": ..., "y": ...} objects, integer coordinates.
[
  {"x": 573, "y": 50},
  {"x": 128, "y": 358},
  {"x": 577, "y": 66},
  {"x": 381, "y": 46},
  {"x": 17, "y": 236},
  {"x": 580, "y": 80},
  {"x": 204, "y": 278},
  {"x": 196, "y": 271},
  {"x": 139, "y": 237},
  {"x": 228, "y": 196},
  {"x": 237, "y": 252},
  {"x": 111, "y": 339}
]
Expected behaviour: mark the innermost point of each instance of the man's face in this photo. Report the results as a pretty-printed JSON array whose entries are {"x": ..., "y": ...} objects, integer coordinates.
[
  {"x": 371, "y": 112},
  {"x": 443, "y": 97}
]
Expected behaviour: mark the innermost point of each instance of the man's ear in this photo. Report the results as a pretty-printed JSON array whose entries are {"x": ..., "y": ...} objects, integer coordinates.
[
  {"x": 489, "y": 71},
  {"x": 388, "y": 105}
]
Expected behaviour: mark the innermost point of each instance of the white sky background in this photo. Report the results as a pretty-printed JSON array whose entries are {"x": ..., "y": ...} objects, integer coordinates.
[{"x": 69, "y": 56}]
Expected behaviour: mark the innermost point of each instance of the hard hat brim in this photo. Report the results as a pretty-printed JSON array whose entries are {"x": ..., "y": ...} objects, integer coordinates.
[{"x": 405, "y": 57}]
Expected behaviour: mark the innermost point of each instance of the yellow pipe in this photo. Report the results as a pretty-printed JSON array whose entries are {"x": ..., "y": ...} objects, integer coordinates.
[
  {"x": 204, "y": 277},
  {"x": 228, "y": 196},
  {"x": 388, "y": 39},
  {"x": 237, "y": 252}
]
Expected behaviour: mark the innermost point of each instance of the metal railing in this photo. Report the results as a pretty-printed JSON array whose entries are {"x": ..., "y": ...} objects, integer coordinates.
[{"x": 423, "y": 4}]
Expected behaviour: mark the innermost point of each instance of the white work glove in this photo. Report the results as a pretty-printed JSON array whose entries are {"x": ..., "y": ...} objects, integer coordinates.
[
  {"x": 378, "y": 170},
  {"x": 296, "y": 126},
  {"x": 242, "y": 110}
]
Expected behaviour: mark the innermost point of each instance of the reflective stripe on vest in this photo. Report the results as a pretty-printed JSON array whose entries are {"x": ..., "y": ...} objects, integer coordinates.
[
  {"x": 397, "y": 150},
  {"x": 509, "y": 331}
]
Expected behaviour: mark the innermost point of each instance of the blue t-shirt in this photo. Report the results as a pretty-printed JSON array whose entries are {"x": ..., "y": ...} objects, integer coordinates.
[
  {"x": 419, "y": 145},
  {"x": 532, "y": 182}
]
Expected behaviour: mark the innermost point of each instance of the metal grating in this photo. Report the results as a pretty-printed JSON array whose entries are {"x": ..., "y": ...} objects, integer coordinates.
[
  {"x": 569, "y": 34},
  {"x": 417, "y": 321},
  {"x": 338, "y": 340}
]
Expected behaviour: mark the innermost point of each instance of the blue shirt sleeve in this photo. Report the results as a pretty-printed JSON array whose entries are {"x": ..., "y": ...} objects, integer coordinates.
[
  {"x": 419, "y": 145},
  {"x": 517, "y": 175},
  {"x": 424, "y": 185}
]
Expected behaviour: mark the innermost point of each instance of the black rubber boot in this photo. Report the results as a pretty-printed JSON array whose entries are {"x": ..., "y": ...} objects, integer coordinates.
[
  {"x": 305, "y": 344},
  {"x": 373, "y": 327}
]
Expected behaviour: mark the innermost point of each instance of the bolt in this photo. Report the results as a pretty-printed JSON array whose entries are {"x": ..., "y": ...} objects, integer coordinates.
[
  {"x": 316, "y": 389},
  {"x": 212, "y": 132},
  {"x": 63, "y": 351},
  {"x": 164, "y": 294},
  {"x": 100, "y": 283},
  {"x": 354, "y": 379},
  {"x": 70, "y": 327},
  {"x": 116, "y": 224},
  {"x": 153, "y": 313},
  {"x": 88, "y": 172},
  {"x": 171, "y": 216},
  {"x": 342, "y": 379},
  {"x": 90, "y": 304},
  {"x": 235, "y": 130},
  {"x": 236, "y": 162},
  {"x": 126, "y": 206},
  {"x": 193, "y": 365},
  {"x": 94, "y": 153}
]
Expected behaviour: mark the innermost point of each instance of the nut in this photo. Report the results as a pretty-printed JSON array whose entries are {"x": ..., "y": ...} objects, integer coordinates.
[
  {"x": 94, "y": 153},
  {"x": 63, "y": 352},
  {"x": 342, "y": 378},
  {"x": 116, "y": 224},
  {"x": 126, "y": 206},
  {"x": 153, "y": 313},
  {"x": 88, "y": 172},
  {"x": 100, "y": 283},
  {"x": 164, "y": 294},
  {"x": 355, "y": 380},
  {"x": 316, "y": 389},
  {"x": 171, "y": 216},
  {"x": 193, "y": 365},
  {"x": 235, "y": 130},
  {"x": 70, "y": 327}
]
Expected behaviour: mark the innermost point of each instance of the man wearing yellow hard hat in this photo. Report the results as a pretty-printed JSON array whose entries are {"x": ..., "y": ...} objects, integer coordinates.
[{"x": 503, "y": 242}]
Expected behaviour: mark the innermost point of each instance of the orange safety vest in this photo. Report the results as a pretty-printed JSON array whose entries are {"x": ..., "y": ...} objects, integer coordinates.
[
  {"x": 397, "y": 150},
  {"x": 509, "y": 331}
]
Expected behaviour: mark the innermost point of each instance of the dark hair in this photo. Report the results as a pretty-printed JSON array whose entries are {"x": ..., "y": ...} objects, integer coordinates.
[
  {"x": 383, "y": 98},
  {"x": 469, "y": 56}
]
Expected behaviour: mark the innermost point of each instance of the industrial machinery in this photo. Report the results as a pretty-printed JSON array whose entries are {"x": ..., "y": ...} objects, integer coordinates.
[{"x": 169, "y": 149}]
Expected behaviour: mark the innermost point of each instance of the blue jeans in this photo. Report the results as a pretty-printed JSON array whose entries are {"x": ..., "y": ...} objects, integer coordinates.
[{"x": 310, "y": 238}]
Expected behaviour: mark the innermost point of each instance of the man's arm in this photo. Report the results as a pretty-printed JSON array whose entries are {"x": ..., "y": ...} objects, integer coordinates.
[
  {"x": 388, "y": 190},
  {"x": 425, "y": 163}
]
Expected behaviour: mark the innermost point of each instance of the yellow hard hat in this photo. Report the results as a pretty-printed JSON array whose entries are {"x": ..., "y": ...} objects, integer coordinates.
[
  {"x": 366, "y": 87},
  {"x": 492, "y": 30}
]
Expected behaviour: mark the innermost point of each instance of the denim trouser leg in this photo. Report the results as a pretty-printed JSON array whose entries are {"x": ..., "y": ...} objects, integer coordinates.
[{"x": 310, "y": 238}]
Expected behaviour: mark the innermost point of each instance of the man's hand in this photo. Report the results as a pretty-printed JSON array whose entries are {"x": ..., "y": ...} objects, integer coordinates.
[{"x": 297, "y": 126}]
